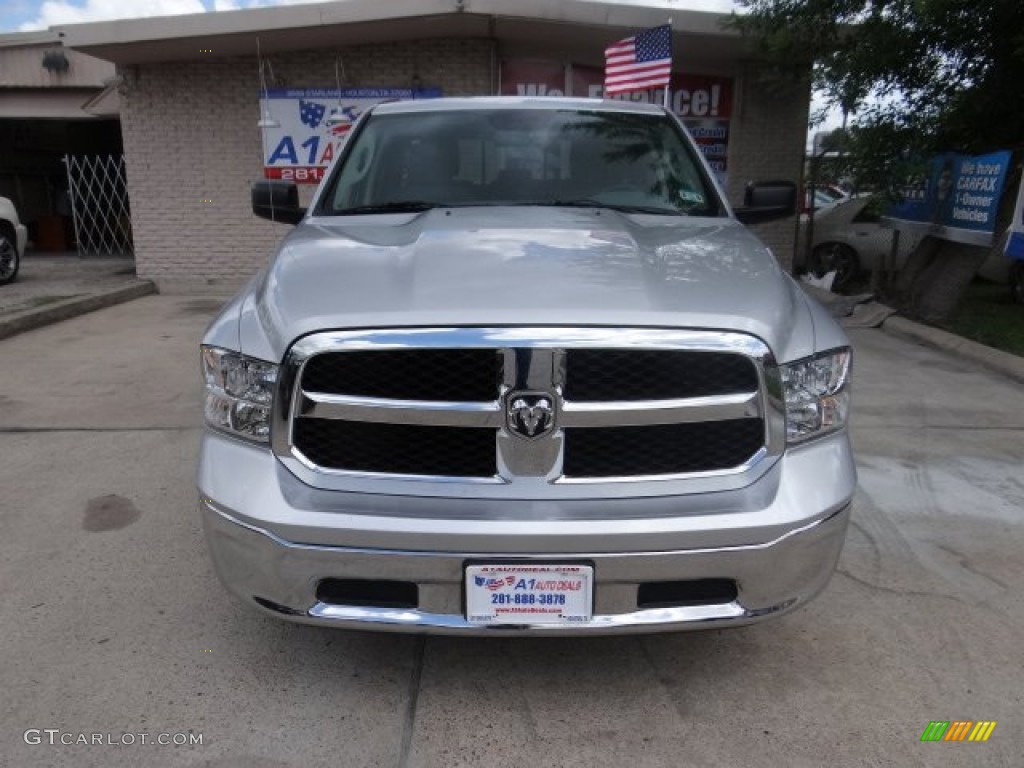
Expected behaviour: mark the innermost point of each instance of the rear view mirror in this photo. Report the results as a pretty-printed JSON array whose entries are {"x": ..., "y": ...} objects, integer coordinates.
[
  {"x": 767, "y": 201},
  {"x": 277, "y": 201}
]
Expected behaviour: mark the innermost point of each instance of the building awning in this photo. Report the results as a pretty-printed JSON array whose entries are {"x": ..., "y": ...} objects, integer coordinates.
[
  {"x": 571, "y": 24},
  {"x": 49, "y": 104}
]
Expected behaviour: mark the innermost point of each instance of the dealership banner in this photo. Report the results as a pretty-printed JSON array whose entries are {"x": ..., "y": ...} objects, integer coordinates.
[
  {"x": 958, "y": 199},
  {"x": 703, "y": 102},
  {"x": 1015, "y": 240},
  {"x": 301, "y": 141}
]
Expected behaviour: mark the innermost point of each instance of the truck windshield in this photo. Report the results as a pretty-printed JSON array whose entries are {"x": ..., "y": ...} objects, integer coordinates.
[{"x": 632, "y": 162}]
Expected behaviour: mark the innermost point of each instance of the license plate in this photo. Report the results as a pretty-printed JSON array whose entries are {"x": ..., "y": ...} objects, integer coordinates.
[{"x": 529, "y": 594}]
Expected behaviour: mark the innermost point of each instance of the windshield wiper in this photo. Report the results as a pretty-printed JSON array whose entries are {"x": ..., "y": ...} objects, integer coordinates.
[
  {"x": 586, "y": 202},
  {"x": 396, "y": 206}
]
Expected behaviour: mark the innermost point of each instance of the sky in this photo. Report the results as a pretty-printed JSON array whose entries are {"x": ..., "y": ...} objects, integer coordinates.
[{"x": 24, "y": 15}]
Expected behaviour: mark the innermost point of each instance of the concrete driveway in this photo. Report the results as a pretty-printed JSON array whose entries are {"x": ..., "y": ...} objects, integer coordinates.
[{"x": 112, "y": 622}]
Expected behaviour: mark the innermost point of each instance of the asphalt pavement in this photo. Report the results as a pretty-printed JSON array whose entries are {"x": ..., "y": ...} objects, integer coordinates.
[{"x": 113, "y": 625}]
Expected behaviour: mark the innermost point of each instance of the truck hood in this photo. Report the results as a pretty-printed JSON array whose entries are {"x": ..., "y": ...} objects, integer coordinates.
[{"x": 523, "y": 266}]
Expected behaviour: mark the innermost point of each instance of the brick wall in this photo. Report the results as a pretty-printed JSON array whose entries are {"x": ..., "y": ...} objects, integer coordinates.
[
  {"x": 192, "y": 148},
  {"x": 766, "y": 142}
]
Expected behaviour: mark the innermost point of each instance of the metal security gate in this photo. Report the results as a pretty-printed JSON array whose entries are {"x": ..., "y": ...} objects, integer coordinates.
[{"x": 99, "y": 204}]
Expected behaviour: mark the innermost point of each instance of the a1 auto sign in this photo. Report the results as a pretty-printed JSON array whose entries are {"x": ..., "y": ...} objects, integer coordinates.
[
  {"x": 300, "y": 140},
  {"x": 703, "y": 102}
]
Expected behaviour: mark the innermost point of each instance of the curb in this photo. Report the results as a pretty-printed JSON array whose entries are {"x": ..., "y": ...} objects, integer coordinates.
[
  {"x": 19, "y": 322},
  {"x": 993, "y": 359}
]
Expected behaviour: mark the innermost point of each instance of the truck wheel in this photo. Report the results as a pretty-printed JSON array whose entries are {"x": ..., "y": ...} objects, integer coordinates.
[
  {"x": 9, "y": 261},
  {"x": 838, "y": 257}
]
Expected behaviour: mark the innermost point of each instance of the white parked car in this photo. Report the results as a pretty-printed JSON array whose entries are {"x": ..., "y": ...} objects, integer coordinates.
[
  {"x": 12, "y": 241},
  {"x": 849, "y": 239}
]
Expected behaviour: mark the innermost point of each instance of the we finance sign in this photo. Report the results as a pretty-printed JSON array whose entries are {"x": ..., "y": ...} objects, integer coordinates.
[
  {"x": 703, "y": 102},
  {"x": 306, "y": 127},
  {"x": 690, "y": 96}
]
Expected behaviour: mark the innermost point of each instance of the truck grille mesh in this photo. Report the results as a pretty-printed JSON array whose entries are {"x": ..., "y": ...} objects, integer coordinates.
[
  {"x": 619, "y": 374},
  {"x": 421, "y": 374},
  {"x": 398, "y": 449},
  {"x": 664, "y": 449}
]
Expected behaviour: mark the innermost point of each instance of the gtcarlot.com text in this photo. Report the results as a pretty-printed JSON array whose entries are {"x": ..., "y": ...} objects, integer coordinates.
[{"x": 56, "y": 737}]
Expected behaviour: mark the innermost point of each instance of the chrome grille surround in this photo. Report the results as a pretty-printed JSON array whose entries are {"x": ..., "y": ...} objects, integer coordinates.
[{"x": 534, "y": 361}]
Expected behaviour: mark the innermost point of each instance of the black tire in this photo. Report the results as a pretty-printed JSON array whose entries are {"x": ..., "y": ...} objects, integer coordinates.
[
  {"x": 827, "y": 257},
  {"x": 1017, "y": 281},
  {"x": 9, "y": 261}
]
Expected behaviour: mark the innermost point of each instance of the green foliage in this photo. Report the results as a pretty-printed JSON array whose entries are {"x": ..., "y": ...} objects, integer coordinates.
[
  {"x": 989, "y": 315},
  {"x": 921, "y": 75}
]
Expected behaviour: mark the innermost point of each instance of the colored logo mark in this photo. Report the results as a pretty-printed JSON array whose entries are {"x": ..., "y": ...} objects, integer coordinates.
[
  {"x": 311, "y": 113},
  {"x": 958, "y": 730}
]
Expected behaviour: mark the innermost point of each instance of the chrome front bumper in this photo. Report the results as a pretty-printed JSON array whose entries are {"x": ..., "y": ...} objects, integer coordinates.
[
  {"x": 272, "y": 541},
  {"x": 281, "y": 578}
]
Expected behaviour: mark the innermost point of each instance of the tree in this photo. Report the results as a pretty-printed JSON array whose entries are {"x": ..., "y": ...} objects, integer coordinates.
[{"x": 921, "y": 76}]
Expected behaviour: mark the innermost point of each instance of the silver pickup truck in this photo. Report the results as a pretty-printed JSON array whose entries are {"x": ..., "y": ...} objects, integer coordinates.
[{"x": 520, "y": 368}]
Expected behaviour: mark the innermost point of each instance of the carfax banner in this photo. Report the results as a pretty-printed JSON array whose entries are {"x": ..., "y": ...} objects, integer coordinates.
[
  {"x": 305, "y": 138},
  {"x": 958, "y": 200}
]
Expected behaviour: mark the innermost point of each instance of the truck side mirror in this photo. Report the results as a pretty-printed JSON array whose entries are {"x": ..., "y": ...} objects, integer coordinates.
[
  {"x": 767, "y": 201},
  {"x": 277, "y": 201}
]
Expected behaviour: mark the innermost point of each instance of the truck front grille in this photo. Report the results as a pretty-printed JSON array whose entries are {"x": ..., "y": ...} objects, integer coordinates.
[{"x": 523, "y": 407}]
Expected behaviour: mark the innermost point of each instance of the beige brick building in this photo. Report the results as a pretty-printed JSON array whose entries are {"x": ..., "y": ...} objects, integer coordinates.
[{"x": 190, "y": 101}]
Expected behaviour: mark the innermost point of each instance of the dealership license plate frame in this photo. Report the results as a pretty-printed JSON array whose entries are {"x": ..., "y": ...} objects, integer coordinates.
[{"x": 578, "y": 609}]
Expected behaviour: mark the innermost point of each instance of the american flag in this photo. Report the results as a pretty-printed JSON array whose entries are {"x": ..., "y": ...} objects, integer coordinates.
[{"x": 639, "y": 62}]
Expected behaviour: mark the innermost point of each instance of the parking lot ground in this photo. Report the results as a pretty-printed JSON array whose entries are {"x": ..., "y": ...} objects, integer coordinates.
[
  {"x": 112, "y": 621},
  {"x": 46, "y": 278},
  {"x": 51, "y": 287}
]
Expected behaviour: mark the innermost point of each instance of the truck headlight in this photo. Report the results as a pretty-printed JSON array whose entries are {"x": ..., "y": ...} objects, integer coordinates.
[
  {"x": 817, "y": 392},
  {"x": 239, "y": 393}
]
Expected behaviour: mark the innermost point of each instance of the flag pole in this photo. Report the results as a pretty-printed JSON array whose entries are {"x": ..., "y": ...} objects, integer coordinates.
[{"x": 670, "y": 64}]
